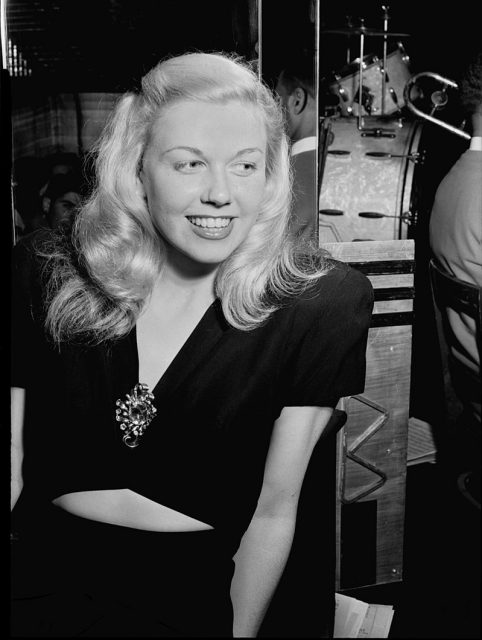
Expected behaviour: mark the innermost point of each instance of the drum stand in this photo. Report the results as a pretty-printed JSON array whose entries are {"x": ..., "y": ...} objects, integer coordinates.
[{"x": 377, "y": 132}]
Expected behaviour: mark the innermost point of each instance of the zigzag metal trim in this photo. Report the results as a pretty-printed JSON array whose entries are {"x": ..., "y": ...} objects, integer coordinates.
[{"x": 350, "y": 453}]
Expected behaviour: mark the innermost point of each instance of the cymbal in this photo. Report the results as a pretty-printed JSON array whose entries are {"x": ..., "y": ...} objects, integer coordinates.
[{"x": 357, "y": 31}]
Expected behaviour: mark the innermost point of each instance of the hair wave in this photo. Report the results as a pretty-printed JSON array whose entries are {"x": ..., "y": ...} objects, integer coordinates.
[{"x": 99, "y": 286}]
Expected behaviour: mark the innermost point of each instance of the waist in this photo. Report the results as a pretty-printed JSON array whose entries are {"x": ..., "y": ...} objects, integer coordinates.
[
  {"x": 127, "y": 508},
  {"x": 51, "y": 527},
  {"x": 180, "y": 578}
]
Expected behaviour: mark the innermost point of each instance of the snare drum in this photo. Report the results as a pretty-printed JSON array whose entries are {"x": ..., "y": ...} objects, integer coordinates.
[
  {"x": 368, "y": 175},
  {"x": 346, "y": 84}
]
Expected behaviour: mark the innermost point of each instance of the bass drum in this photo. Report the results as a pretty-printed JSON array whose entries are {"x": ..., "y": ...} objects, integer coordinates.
[{"x": 367, "y": 185}]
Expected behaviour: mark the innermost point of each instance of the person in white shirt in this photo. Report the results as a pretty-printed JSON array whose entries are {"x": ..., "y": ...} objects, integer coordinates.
[{"x": 456, "y": 242}]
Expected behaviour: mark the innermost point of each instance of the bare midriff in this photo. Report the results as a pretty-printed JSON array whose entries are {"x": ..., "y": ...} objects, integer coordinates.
[{"x": 127, "y": 508}]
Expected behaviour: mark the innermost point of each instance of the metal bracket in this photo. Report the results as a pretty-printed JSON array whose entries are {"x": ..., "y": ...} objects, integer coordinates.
[{"x": 350, "y": 453}]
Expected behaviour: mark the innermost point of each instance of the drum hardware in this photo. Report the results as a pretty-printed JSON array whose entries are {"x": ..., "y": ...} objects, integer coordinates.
[
  {"x": 393, "y": 95},
  {"x": 344, "y": 84},
  {"x": 384, "y": 65},
  {"x": 356, "y": 31},
  {"x": 367, "y": 99},
  {"x": 364, "y": 97},
  {"x": 407, "y": 216},
  {"x": 439, "y": 99},
  {"x": 332, "y": 212},
  {"x": 361, "y": 125},
  {"x": 349, "y": 24},
  {"x": 377, "y": 133},
  {"x": 339, "y": 152},
  {"x": 342, "y": 93},
  {"x": 414, "y": 157}
]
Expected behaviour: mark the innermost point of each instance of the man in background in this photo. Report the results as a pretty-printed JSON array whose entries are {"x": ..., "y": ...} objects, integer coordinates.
[
  {"x": 456, "y": 242},
  {"x": 62, "y": 196},
  {"x": 296, "y": 88}
]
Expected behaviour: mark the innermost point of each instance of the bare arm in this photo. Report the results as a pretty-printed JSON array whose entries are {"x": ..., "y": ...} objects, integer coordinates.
[
  {"x": 265, "y": 546},
  {"x": 17, "y": 408}
]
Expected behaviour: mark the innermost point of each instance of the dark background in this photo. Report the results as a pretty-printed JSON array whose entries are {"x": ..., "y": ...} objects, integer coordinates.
[
  {"x": 106, "y": 45},
  {"x": 442, "y": 35}
]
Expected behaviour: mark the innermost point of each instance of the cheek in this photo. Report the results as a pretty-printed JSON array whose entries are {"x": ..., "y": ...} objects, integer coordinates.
[
  {"x": 169, "y": 194},
  {"x": 252, "y": 194},
  {"x": 58, "y": 210}
]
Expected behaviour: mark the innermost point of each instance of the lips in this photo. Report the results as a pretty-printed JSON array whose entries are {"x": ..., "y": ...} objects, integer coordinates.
[{"x": 210, "y": 227}]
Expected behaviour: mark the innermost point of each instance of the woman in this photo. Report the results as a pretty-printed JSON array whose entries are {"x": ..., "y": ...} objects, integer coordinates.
[{"x": 178, "y": 275}]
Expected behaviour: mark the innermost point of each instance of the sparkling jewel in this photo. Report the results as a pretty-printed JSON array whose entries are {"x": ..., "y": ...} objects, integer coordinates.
[{"x": 135, "y": 413}]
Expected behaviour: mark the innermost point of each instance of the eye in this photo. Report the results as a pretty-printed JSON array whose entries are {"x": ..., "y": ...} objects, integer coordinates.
[
  {"x": 245, "y": 168},
  {"x": 188, "y": 166}
]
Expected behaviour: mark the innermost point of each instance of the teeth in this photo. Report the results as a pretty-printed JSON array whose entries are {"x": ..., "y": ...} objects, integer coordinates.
[{"x": 212, "y": 223}]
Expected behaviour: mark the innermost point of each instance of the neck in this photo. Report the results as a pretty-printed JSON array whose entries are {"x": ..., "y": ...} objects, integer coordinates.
[
  {"x": 304, "y": 129},
  {"x": 186, "y": 279}
]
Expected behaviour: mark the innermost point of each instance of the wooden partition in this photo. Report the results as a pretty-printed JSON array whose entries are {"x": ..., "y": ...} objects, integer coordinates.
[{"x": 372, "y": 447}]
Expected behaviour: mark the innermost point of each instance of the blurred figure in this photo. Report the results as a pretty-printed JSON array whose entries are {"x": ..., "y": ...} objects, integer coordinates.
[
  {"x": 60, "y": 163},
  {"x": 46, "y": 190},
  {"x": 456, "y": 242},
  {"x": 296, "y": 88},
  {"x": 62, "y": 197},
  {"x": 29, "y": 175},
  {"x": 59, "y": 204}
]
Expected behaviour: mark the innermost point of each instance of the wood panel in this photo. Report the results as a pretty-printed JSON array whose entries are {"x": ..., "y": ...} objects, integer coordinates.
[{"x": 372, "y": 447}]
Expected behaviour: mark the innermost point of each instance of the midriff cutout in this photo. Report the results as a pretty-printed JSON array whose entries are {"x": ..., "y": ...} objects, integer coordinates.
[{"x": 127, "y": 508}]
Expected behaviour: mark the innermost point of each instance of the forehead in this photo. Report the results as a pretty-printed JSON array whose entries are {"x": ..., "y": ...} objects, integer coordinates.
[{"x": 202, "y": 124}]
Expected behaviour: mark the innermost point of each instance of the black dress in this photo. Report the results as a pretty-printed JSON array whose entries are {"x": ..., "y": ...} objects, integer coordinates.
[{"x": 204, "y": 452}]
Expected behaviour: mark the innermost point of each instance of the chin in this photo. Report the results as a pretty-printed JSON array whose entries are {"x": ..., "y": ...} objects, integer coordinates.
[{"x": 211, "y": 261}]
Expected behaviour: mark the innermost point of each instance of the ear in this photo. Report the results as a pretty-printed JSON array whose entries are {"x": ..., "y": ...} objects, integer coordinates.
[
  {"x": 298, "y": 100},
  {"x": 46, "y": 204}
]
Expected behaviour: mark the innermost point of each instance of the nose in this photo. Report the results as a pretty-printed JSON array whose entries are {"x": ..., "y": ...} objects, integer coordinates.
[{"x": 217, "y": 192}]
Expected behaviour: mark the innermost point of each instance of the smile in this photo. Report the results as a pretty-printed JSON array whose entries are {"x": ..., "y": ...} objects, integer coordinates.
[
  {"x": 210, "y": 227},
  {"x": 209, "y": 223}
]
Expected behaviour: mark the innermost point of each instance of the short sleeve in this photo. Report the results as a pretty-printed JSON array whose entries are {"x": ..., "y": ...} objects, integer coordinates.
[{"x": 328, "y": 359}]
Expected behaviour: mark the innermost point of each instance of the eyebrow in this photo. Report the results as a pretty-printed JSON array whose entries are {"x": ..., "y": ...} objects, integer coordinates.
[{"x": 198, "y": 152}]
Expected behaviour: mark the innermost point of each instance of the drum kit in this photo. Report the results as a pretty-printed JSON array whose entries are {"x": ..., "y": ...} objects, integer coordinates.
[{"x": 368, "y": 148}]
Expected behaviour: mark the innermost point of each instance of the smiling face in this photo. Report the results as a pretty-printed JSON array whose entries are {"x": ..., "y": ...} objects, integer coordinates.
[{"x": 204, "y": 177}]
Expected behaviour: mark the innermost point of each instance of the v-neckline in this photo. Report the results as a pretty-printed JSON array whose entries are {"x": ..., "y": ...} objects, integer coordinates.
[{"x": 206, "y": 331}]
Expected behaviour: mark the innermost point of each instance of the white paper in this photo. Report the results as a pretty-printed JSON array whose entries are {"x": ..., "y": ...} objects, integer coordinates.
[
  {"x": 349, "y": 616},
  {"x": 357, "y": 619},
  {"x": 377, "y": 621}
]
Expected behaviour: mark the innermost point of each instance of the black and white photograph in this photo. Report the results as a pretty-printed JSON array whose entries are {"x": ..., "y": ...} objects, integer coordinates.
[{"x": 243, "y": 241}]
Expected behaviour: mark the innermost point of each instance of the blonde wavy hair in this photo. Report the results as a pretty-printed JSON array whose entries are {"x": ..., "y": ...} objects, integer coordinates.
[{"x": 98, "y": 284}]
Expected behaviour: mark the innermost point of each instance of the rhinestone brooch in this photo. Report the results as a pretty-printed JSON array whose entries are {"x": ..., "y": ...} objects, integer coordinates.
[{"x": 135, "y": 414}]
